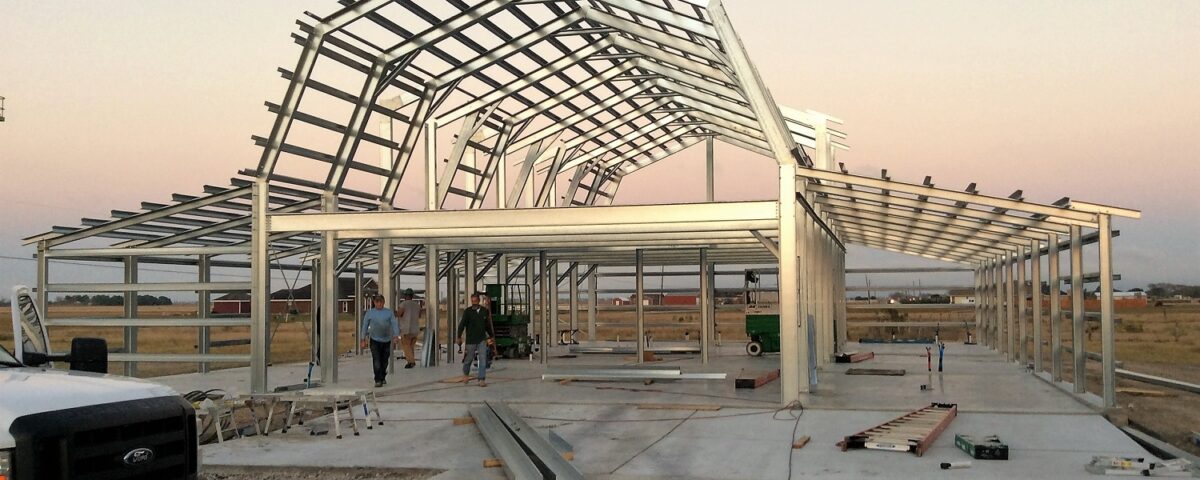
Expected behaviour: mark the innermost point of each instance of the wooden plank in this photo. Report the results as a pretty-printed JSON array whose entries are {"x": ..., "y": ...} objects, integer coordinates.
[
  {"x": 853, "y": 357},
  {"x": 464, "y": 421},
  {"x": 679, "y": 406},
  {"x": 800, "y": 442},
  {"x": 756, "y": 381},
  {"x": 1141, "y": 392},
  {"x": 876, "y": 371}
]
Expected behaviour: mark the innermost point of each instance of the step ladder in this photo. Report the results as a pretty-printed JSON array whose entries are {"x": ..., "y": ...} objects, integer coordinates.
[
  {"x": 911, "y": 432},
  {"x": 1141, "y": 467}
]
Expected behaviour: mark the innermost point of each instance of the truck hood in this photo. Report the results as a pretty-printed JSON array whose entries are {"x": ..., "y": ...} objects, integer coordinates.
[{"x": 25, "y": 391}]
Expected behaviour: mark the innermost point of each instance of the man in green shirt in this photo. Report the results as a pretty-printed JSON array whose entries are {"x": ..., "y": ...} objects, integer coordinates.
[{"x": 478, "y": 328}]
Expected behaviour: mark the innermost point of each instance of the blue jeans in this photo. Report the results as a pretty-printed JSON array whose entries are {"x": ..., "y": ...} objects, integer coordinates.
[{"x": 469, "y": 357}]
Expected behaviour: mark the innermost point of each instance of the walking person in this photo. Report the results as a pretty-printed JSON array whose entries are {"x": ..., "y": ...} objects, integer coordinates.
[
  {"x": 475, "y": 323},
  {"x": 381, "y": 329},
  {"x": 409, "y": 312}
]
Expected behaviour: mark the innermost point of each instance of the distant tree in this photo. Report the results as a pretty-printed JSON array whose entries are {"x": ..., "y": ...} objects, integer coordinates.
[
  {"x": 5, "y": 302},
  {"x": 164, "y": 301}
]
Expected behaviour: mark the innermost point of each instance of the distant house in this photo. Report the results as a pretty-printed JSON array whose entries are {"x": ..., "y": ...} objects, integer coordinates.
[
  {"x": 962, "y": 296},
  {"x": 298, "y": 301}
]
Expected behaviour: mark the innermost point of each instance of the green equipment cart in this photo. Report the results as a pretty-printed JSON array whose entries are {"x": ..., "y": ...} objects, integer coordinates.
[
  {"x": 509, "y": 304},
  {"x": 762, "y": 317}
]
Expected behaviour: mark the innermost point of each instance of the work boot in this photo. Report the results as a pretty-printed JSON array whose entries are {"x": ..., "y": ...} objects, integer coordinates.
[
  {"x": 410, "y": 365},
  {"x": 482, "y": 383},
  {"x": 378, "y": 384}
]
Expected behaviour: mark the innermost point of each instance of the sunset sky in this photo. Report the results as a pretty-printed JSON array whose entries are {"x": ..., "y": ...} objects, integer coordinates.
[{"x": 111, "y": 103}]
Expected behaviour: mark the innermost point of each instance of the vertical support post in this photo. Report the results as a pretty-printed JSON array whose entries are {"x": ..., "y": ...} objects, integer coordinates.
[
  {"x": 1001, "y": 306},
  {"x": 1022, "y": 319},
  {"x": 534, "y": 300},
  {"x": 710, "y": 184},
  {"x": 43, "y": 282},
  {"x": 314, "y": 320},
  {"x": 1035, "y": 281},
  {"x": 358, "y": 306},
  {"x": 1078, "y": 344},
  {"x": 453, "y": 304},
  {"x": 840, "y": 277},
  {"x": 329, "y": 296},
  {"x": 1055, "y": 309},
  {"x": 1010, "y": 291},
  {"x": 593, "y": 286},
  {"x": 1108, "y": 346},
  {"x": 429, "y": 352},
  {"x": 640, "y": 308},
  {"x": 203, "y": 307},
  {"x": 552, "y": 278},
  {"x": 472, "y": 269},
  {"x": 543, "y": 293},
  {"x": 793, "y": 336},
  {"x": 260, "y": 284},
  {"x": 712, "y": 305},
  {"x": 387, "y": 288},
  {"x": 573, "y": 303},
  {"x": 705, "y": 302},
  {"x": 978, "y": 299},
  {"x": 431, "y": 190},
  {"x": 131, "y": 311}
]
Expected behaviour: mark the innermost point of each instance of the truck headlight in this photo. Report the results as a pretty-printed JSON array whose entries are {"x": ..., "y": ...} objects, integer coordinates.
[{"x": 6, "y": 462}]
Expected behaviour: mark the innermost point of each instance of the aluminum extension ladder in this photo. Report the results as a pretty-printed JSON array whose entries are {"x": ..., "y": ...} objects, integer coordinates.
[{"x": 911, "y": 432}]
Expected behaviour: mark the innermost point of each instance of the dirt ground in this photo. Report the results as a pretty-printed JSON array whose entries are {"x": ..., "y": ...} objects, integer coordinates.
[
  {"x": 263, "y": 473},
  {"x": 1162, "y": 341}
]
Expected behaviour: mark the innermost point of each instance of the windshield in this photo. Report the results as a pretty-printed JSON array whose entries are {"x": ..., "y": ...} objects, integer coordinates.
[{"x": 7, "y": 360}]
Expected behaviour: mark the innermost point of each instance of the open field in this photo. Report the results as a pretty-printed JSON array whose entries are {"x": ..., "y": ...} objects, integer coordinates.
[{"x": 1157, "y": 341}]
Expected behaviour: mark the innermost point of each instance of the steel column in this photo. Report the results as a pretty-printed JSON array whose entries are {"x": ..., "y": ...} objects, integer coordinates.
[
  {"x": 203, "y": 308},
  {"x": 1022, "y": 319},
  {"x": 1078, "y": 343},
  {"x": 358, "y": 308},
  {"x": 1108, "y": 346},
  {"x": 705, "y": 304},
  {"x": 387, "y": 288},
  {"x": 1055, "y": 309},
  {"x": 573, "y": 303},
  {"x": 593, "y": 286},
  {"x": 552, "y": 278},
  {"x": 543, "y": 294},
  {"x": 639, "y": 281},
  {"x": 453, "y": 304},
  {"x": 329, "y": 296},
  {"x": 793, "y": 336},
  {"x": 1010, "y": 292},
  {"x": 710, "y": 184},
  {"x": 1035, "y": 281},
  {"x": 131, "y": 311},
  {"x": 429, "y": 350},
  {"x": 260, "y": 285}
]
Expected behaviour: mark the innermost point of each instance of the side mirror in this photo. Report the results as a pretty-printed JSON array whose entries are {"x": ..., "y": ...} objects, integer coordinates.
[
  {"x": 89, "y": 355},
  {"x": 34, "y": 359}
]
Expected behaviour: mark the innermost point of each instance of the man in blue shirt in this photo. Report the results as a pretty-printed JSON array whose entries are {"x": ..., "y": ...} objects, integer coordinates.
[{"x": 382, "y": 329}]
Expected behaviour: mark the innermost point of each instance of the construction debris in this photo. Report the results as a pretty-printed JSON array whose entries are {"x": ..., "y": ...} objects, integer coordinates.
[
  {"x": 800, "y": 442},
  {"x": 523, "y": 452},
  {"x": 911, "y": 432},
  {"x": 953, "y": 465},
  {"x": 986, "y": 448},
  {"x": 1142, "y": 392},
  {"x": 1141, "y": 467},
  {"x": 756, "y": 381},
  {"x": 463, "y": 421},
  {"x": 853, "y": 357},
  {"x": 625, "y": 372},
  {"x": 888, "y": 372}
]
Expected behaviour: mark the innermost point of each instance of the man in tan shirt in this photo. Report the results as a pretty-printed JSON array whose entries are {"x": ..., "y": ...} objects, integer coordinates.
[{"x": 409, "y": 314}]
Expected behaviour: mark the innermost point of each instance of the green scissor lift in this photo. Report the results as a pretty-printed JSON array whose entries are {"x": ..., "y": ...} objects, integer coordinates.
[
  {"x": 762, "y": 319},
  {"x": 510, "y": 318}
]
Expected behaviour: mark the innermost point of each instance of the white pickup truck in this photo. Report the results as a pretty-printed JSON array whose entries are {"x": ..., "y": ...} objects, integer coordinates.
[{"x": 59, "y": 424}]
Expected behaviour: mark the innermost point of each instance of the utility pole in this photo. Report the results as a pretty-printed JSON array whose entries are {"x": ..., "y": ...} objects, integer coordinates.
[{"x": 1, "y": 109}]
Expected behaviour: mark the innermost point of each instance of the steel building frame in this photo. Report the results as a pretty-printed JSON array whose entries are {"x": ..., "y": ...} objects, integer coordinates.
[{"x": 503, "y": 103}]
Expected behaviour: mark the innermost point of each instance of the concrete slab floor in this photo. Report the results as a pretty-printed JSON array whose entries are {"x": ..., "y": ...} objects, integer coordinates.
[{"x": 1050, "y": 433}]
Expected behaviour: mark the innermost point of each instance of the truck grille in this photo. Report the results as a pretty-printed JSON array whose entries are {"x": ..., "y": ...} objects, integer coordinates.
[{"x": 93, "y": 442}]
